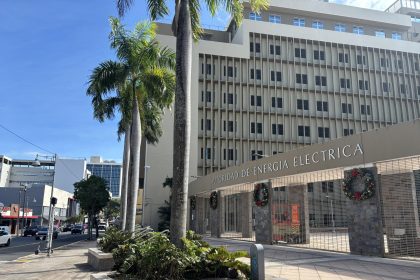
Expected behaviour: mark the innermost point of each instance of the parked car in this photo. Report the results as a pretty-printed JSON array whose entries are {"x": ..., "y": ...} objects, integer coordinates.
[
  {"x": 67, "y": 228},
  {"x": 31, "y": 231},
  {"x": 5, "y": 236},
  {"x": 43, "y": 233},
  {"x": 102, "y": 226},
  {"x": 77, "y": 229}
]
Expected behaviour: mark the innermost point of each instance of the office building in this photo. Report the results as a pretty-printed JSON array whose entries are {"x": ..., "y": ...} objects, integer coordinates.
[
  {"x": 108, "y": 170},
  {"x": 300, "y": 73}
]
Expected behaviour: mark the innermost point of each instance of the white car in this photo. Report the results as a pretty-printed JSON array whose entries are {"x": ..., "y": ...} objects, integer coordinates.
[{"x": 5, "y": 236}]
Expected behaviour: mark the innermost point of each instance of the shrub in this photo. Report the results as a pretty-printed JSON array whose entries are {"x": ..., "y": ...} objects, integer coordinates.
[
  {"x": 152, "y": 256},
  {"x": 112, "y": 238}
]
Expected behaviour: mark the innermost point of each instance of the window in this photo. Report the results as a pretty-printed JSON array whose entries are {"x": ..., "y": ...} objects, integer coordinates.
[
  {"x": 361, "y": 59},
  {"x": 257, "y": 73},
  {"x": 302, "y": 79},
  {"x": 358, "y": 30},
  {"x": 365, "y": 109},
  {"x": 343, "y": 58},
  {"x": 229, "y": 98},
  {"x": 403, "y": 89},
  {"x": 348, "y": 131},
  {"x": 323, "y": 132},
  {"x": 324, "y": 187},
  {"x": 304, "y": 131},
  {"x": 230, "y": 127},
  {"x": 274, "y": 19},
  {"x": 208, "y": 153},
  {"x": 257, "y": 99},
  {"x": 255, "y": 16},
  {"x": 396, "y": 36},
  {"x": 416, "y": 66},
  {"x": 344, "y": 83},
  {"x": 330, "y": 186},
  {"x": 319, "y": 55},
  {"x": 385, "y": 87},
  {"x": 274, "y": 48},
  {"x": 380, "y": 33},
  {"x": 251, "y": 46},
  {"x": 384, "y": 62},
  {"x": 208, "y": 96},
  {"x": 256, "y": 154},
  {"x": 321, "y": 81},
  {"x": 276, "y": 102},
  {"x": 318, "y": 24},
  {"x": 299, "y": 22},
  {"x": 346, "y": 108},
  {"x": 208, "y": 124},
  {"x": 322, "y": 106},
  {"x": 300, "y": 53},
  {"x": 208, "y": 69},
  {"x": 310, "y": 187},
  {"x": 230, "y": 154},
  {"x": 275, "y": 76},
  {"x": 257, "y": 47},
  {"x": 259, "y": 128},
  {"x": 230, "y": 71},
  {"x": 302, "y": 104},
  {"x": 277, "y": 129},
  {"x": 340, "y": 27},
  {"x": 399, "y": 63},
  {"x": 363, "y": 85},
  {"x": 418, "y": 90}
]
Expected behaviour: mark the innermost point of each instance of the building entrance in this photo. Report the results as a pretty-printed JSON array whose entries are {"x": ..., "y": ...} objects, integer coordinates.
[{"x": 370, "y": 208}]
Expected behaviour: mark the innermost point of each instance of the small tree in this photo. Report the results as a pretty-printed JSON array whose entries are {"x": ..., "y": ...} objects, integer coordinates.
[
  {"x": 93, "y": 196},
  {"x": 165, "y": 211},
  {"x": 112, "y": 209}
]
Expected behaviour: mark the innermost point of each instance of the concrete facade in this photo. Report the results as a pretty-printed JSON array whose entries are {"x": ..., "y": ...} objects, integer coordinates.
[{"x": 265, "y": 87}]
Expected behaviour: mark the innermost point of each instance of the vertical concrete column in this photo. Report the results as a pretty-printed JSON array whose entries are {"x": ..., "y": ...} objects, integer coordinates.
[
  {"x": 217, "y": 216},
  {"x": 401, "y": 213},
  {"x": 245, "y": 215},
  {"x": 263, "y": 222},
  {"x": 298, "y": 200},
  {"x": 366, "y": 236},
  {"x": 199, "y": 215}
]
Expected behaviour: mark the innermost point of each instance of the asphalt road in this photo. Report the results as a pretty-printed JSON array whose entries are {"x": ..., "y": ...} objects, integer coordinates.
[{"x": 22, "y": 246}]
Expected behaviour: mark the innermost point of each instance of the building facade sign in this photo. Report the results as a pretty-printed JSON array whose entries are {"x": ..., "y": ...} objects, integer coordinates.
[{"x": 277, "y": 166}]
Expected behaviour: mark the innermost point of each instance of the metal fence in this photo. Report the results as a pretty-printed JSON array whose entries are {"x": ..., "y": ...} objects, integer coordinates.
[{"x": 311, "y": 210}]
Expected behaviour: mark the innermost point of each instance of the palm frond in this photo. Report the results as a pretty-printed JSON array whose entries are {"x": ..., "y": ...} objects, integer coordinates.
[
  {"x": 157, "y": 8},
  {"x": 123, "y": 6},
  {"x": 195, "y": 19},
  {"x": 106, "y": 77}
]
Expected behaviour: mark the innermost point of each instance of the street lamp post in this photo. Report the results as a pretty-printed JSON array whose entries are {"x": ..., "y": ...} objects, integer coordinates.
[
  {"x": 25, "y": 188},
  {"x": 53, "y": 201},
  {"x": 332, "y": 214}
]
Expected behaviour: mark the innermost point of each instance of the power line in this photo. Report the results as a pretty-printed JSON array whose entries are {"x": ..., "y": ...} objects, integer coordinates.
[
  {"x": 39, "y": 147},
  {"x": 26, "y": 140}
]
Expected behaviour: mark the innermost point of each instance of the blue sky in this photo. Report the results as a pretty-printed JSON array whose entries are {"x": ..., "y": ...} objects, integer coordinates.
[{"x": 47, "y": 51}]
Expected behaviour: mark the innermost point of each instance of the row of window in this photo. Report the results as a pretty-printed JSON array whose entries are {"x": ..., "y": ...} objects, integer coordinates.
[
  {"x": 278, "y": 129},
  {"x": 318, "y": 24},
  {"x": 303, "y": 79}
]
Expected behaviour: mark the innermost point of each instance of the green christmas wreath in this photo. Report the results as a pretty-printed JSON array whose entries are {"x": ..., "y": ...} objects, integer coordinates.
[
  {"x": 367, "y": 178},
  {"x": 213, "y": 200},
  {"x": 261, "y": 194}
]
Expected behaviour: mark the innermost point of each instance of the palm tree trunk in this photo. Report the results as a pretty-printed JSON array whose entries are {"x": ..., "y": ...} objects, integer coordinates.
[
  {"x": 133, "y": 187},
  {"x": 125, "y": 178},
  {"x": 182, "y": 126}
]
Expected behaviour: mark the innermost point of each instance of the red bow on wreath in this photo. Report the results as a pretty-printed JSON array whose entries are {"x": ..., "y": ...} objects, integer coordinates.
[
  {"x": 354, "y": 173},
  {"x": 357, "y": 195}
]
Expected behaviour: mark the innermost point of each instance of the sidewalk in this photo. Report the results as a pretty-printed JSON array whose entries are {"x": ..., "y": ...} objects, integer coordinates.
[
  {"x": 294, "y": 263},
  {"x": 67, "y": 262}
]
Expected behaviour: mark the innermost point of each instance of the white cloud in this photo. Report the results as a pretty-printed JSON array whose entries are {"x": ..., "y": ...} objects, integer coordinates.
[{"x": 369, "y": 4}]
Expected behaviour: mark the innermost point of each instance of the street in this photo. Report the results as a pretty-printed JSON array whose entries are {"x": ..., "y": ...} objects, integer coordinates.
[{"x": 22, "y": 246}]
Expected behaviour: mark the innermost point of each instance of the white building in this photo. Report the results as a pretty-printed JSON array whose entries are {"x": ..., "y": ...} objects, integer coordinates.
[{"x": 300, "y": 73}]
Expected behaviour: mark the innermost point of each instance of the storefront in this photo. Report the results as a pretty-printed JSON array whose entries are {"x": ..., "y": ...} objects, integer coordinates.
[{"x": 11, "y": 217}]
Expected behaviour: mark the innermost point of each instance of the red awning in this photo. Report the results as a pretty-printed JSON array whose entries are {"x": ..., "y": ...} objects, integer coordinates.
[{"x": 15, "y": 217}]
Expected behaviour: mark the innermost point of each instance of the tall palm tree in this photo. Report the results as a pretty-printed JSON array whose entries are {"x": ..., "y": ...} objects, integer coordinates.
[
  {"x": 140, "y": 85},
  {"x": 186, "y": 27}
]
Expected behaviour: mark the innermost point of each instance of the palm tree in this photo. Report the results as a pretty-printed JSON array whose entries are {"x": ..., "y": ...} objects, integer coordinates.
[
  {"x": 186, "y": 27},
  {"x": 140, "y": 85}
]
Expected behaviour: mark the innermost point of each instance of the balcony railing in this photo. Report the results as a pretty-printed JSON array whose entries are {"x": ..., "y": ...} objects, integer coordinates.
[{"x": 410, "y": 4}]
